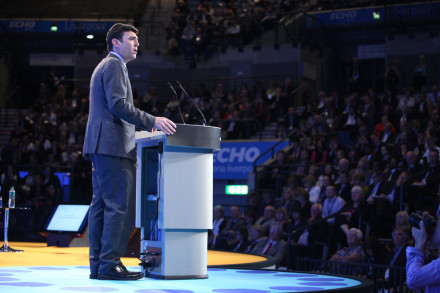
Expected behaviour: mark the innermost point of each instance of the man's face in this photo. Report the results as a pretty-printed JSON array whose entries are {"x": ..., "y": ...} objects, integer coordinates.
[
  {"x": 274, "y": 233},
  {"x": 127, "y": 48},
  {"x": 356, "y": 195},
  {"x": 329, "y": 191},
  {"x": 254, "y": 234},
  {"x": 268, "y": 213},
  {"x": 399, "y": 237},
  {"x": 218, "y": 214}
]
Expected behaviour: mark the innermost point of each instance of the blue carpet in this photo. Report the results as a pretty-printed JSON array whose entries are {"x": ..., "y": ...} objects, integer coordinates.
[{"x": 76, "y": 279}]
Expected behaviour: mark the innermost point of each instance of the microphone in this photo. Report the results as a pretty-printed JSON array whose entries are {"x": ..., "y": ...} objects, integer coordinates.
[
  {"x": 178, "y": 102},
  {"x": 192, "y": 102}
]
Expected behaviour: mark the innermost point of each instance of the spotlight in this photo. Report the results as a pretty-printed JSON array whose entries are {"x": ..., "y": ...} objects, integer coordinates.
[
  {"x": 90, "y": 37},
  {"x": 54, "y": 26}
]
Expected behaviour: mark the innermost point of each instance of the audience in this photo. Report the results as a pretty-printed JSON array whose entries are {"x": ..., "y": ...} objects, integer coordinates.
[{"x": 371, "y": 155}]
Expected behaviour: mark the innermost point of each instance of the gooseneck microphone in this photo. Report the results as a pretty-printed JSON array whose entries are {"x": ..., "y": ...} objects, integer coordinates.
[
  {"x": 192, "y": 102},
  {"x": 178, "y": 102}
]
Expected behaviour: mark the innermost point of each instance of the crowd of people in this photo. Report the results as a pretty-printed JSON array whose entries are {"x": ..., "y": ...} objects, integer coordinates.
[
  {"x": 198, "y": 33},
  {"x": 212, "y": 26},
  {"x": 47, "y": 139},
  {"x": 358, "y": 166}
]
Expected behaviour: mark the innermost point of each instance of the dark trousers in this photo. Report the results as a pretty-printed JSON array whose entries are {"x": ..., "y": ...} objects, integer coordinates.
[{"x": 111, "y": 211}]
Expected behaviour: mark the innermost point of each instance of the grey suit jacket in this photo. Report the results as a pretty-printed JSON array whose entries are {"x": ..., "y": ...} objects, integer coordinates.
[
  {"x": 112, "y": 115},
  {"x": 278, "y": 251}
]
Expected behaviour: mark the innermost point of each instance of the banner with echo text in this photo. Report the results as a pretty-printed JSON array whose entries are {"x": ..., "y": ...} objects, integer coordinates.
[{"x": 235, "y": 159}]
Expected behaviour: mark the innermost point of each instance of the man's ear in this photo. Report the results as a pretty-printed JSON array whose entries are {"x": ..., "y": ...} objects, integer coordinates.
[{"x": 115, "y": 42}]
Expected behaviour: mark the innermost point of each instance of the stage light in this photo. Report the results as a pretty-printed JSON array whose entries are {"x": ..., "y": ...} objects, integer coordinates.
[
  {"x": 54, "y": 27},
  {"x": 90, "y": 37},
  {"x": 236, "y": 189},
  {"x": 376, "y": 14}
]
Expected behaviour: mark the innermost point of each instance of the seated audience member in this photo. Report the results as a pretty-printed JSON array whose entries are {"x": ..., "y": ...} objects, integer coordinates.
[
  {"x": 354, "y": 252},
  {"x": 273, "y": 245},
  {"x": 267, "y": 219},
  {"x": 254, "y": 201},
  {"x": 426, "y": 188},
  {"x": 418, "y": 274},
  {"x": 219, "y": 220},
  {"x": 332, "y": 204},
  {"x": 396, "y": 257},
  {"x": 255, "y": 233},
  {"x": 241, "y": 243},
  {"x": 287, "y": 201},
  {"x": 297, "y": 222},
  {"x": 316, "y": 231},
  {"x": 302, "y": 199},
  {"x": 343, "y": 189},
  {"x": 376, "y": 252},
  {"x": 402, "y": 221},
  {"x": 357, "y": 214},
  {"x": 281, "y": 218},
  {"x": 377, "y": 197},
  {"x": 311, "y": 187},
  {"x": 268, "y": 200},
  {"x": 250, "y": 218},
  {"x": 326, "y": 181},
  {"x": 399, "y": 195},
  {"x": 227, "y": 235}
]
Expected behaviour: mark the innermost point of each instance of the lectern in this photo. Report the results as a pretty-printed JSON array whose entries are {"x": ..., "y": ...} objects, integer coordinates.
[{"x": 174, "y": 202}]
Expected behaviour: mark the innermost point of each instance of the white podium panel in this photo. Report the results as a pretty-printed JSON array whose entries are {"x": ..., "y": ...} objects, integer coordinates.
[
  {"x": 174, "y": 187},
  {"x": 187, "y": 191}
]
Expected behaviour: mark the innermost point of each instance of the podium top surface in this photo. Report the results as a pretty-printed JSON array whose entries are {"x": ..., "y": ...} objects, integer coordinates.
[{"x": 187, "y": 135}]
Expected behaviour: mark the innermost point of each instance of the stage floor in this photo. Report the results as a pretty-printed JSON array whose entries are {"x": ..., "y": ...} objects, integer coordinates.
[
  {"x": 51, "y": 269},
  {"x": 37, "y": 254}
]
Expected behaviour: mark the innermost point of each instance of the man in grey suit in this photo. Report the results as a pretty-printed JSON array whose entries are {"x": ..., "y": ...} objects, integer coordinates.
[
  {"x": 273, "y": 245},
  {"x": 110, "y": 144}
]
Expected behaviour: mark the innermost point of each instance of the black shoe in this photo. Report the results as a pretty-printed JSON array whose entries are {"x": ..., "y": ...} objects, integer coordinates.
[
  {"x": 119, "y": 272},
  {"x": 93, "y": 276}
]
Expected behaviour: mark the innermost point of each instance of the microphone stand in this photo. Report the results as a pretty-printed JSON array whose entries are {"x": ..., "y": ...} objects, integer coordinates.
[
  {"x": 192, "y": 102},
  {"x": 178, "y": 102}
]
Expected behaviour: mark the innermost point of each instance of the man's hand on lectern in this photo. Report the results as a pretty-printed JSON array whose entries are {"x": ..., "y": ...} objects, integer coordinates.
[{"x": 165, "y": 124}]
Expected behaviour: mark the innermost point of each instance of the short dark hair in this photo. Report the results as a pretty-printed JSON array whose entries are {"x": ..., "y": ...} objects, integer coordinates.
[{"x": 116, "y": 32}]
